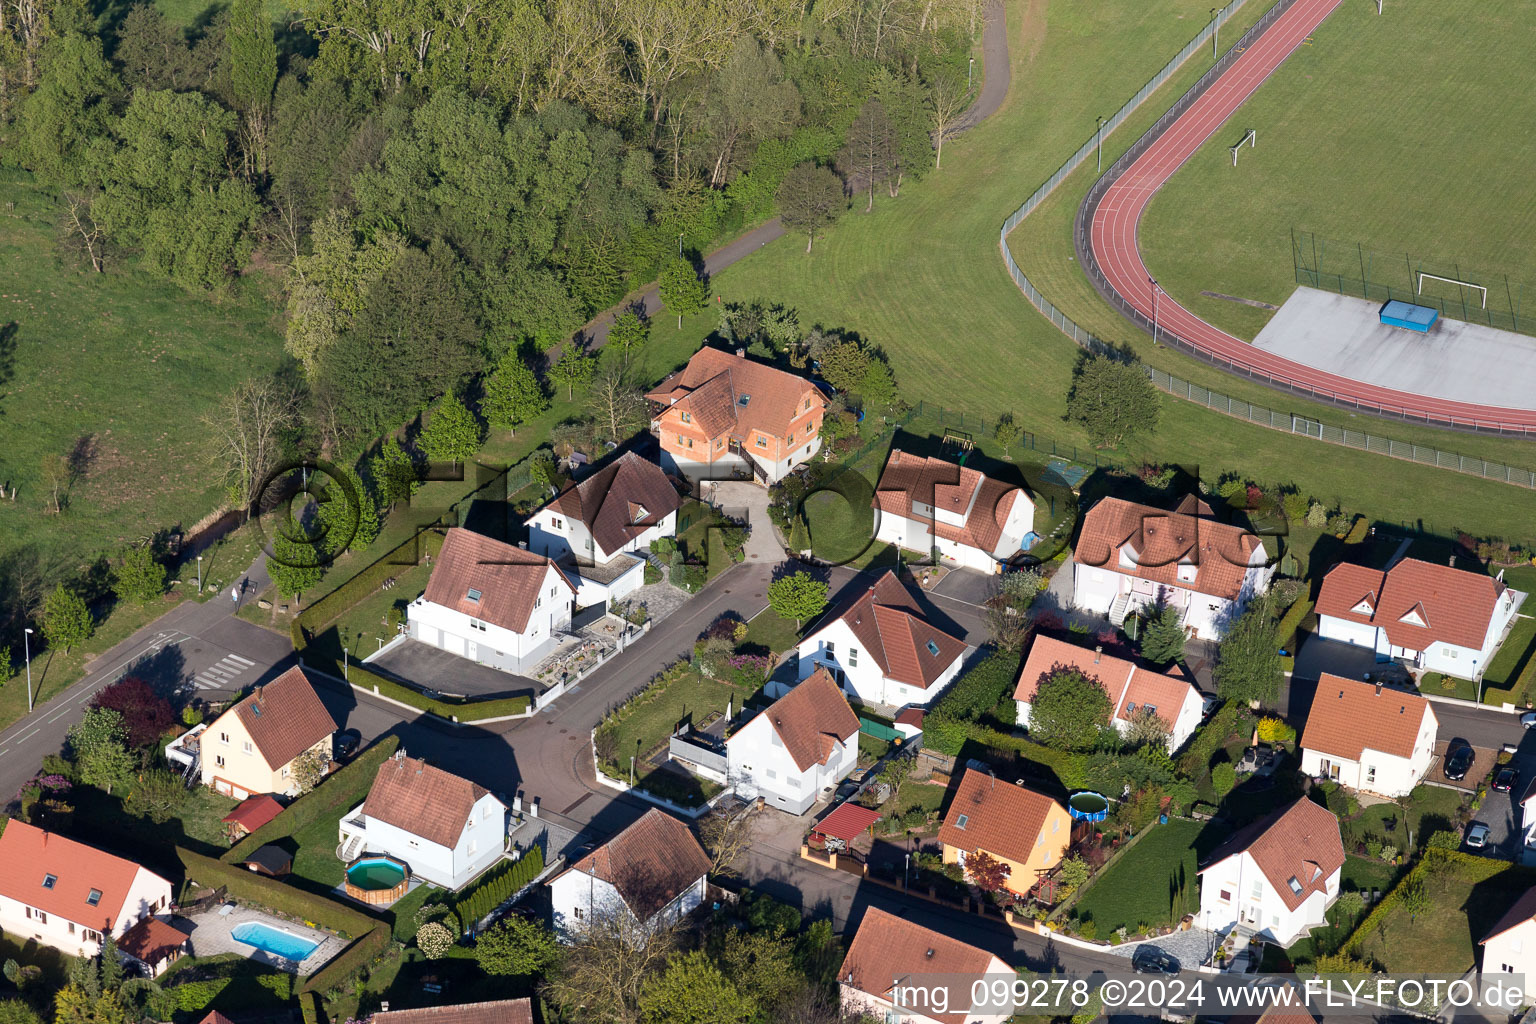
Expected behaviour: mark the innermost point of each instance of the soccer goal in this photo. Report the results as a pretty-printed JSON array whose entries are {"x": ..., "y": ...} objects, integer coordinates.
[
  {"x": 1251, "y": 139},
  {"x": 1482, "y": 292}
]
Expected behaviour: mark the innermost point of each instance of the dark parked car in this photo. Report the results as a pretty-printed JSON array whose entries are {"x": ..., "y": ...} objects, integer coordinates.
[
  {"x": 346, "y": 744},
  {"x": 1151, "y": 960},
  {"x": 1505, "y": 780},
  {"x": 1458, "y": 759}
]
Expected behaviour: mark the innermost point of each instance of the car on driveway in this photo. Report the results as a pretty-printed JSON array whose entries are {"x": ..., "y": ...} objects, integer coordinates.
[
  {"x": 1477, "y": 836},
  {"x": 1151, "y": 960},
  {"x": 1506, "y": 780},
  {"x": 1528, "y": 720},
  {"x": 1457, "y": 760},
  {"x": 346, "y": 743}
]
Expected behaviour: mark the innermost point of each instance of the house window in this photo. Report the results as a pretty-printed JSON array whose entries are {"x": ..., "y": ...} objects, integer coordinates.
[
  {"x": 553, "y": 589},
  {"x": 556, "y": 523},
  {"x": 762, "y": 442},
  {"x": 743, "y": 400},
  {"x": 807, "y": 403},
  {"x": 681, "y": 439},
  {"x": 831, "y": 649},
  {"x": 49, "y": 881},
  {"x": 578, "y": 913},
  {"x": 1370, "y": 774},
  {"x": 1226, "y": 895},
  {"x": 719, "y": 443},
  {"x": 538, "y": 601},
  {"x": 1040, "y": 839},
  {"x": 791, "y": 438},
  {"x": 961, "y": 821},
  {"x": 71, "y": 927},
  {"x": 1256, "y": 891},
  {"x": 285, "y": 771},
  {"x": 688, "y": 443},
  {"x": 219, "y": 760},
  {"x": 933, "y": 648},
  {"x": 223, "y": 737},
  {"x": 94, "y": 897},
  {"x": 853, "y": 657},
  {"x": 1274, "y": 920},
  {"x": 772, "y": 774},
  {"x": 246, "y": 746},
  {"x": 1055, "y": 825},
  {"x": 471, "y": 847},
  {"x": 791, "y": 782},
  {"x": 687, "y": 417},
  {"x": 1047, "y": 858}
]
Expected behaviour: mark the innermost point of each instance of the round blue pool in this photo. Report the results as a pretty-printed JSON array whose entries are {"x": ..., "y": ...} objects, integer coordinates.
[{"x": 1086, "y": 806}]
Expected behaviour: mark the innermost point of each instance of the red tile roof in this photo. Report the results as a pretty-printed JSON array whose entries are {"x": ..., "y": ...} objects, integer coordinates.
[
  {"x": 887, "y": 947},
  {"x": 1347, "y": 717},
  {"x": 984, "y": 502},
  {"x": 152, "y": 940},
  {"x": 284, "y": 717},
  {"x": 424, "y": 801},
  {"x": 1124, "y": 681},
  {"x": 253, "y": 813},
  {"x": 28, "y": 855},
  {"x": 620, "y": 501},
  {"x": 1455, "y": 606},
  {"x": 502, "y": 1011},
  {"x": 215, "y": 1017},
  {"x": 812, "y": 719},
  {"x": 891, "y": 628},
  {"x": 651, "y": 863},
  {"x": 1158, "y": 542},
  {"x": 1003, "y": 818},
  {"x": 508, "y": 578},
  {"x": 711, "y": 388},
  {"x": 846, "y": 821},
  {"x": 1299, "y": 842}
]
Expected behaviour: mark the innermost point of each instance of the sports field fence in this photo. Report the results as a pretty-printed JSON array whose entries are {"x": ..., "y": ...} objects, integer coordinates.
[
  {"x": 1458, "y": 291},
  {"x": 1215, "y": 400}
]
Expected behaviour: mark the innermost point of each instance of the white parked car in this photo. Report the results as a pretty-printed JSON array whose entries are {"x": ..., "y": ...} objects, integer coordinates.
[{"x": 1477, "y": 835}]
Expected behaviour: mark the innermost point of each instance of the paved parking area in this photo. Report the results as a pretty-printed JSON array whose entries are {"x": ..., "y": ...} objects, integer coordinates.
[
  {"x": 966, "y": 585},
  {"x": 1482, "y": 764},
  {"x": 436, "y": 669},
  {"x": 1501, "y": 811}
]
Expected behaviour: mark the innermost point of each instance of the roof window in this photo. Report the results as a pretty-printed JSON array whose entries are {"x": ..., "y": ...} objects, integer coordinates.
[
  {"x": 961, "y": 821},
  {"x": 94, "y": 898},
  {"x": 743, "y": 400},
  {"x": 473, "y": 595},
  {"x": 49, "y": 881},
  {"x": 933, "y": 648},
  {"x": 1294, "y": 884}
]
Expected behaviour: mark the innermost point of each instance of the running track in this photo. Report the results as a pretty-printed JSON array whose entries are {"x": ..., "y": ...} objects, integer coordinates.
[{"x": 1113, "y": 241}]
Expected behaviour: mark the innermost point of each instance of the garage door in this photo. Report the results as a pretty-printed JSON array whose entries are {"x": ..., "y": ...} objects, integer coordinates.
[{"x": 454, "y": 644}]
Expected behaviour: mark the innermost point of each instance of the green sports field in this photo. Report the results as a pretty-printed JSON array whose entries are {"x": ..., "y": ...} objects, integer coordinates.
[{"x": 1408, "y": 132}]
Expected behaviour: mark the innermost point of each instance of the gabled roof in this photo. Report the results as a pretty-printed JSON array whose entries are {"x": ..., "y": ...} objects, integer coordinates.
[
  {"x": 1125, "y": 682},
  {"x": 425, "y": 801},
  {"x": 152, "y": 940},
  {"x": 255, "y": 812},
  {"x": 29, "y": 856},
  {"x": 502, "y": 1011},
  {"x": 887, "y": 947},
  {"x": 1348, "y": 717},
  {"x": 1299, "y": 843},
  {"x": 987, "y": 813},
  {"x": 284, "y": 717},
  {"x": 812, "y": 719},
  {"x": 507, "y": 579},
  {"x": 890, "y": 627},
  {"x": 215, "y": 1017},
  {"x": 1157, "y": 543},
  {"x": 711, "y": 389},
  {"x": 619, "y": 502},
  {"x": 1521, "y": 911},
  {"x": 1417, "y": 603},
  {"x": 650, "y": 863},
  {"x": 984, "y": 502}
]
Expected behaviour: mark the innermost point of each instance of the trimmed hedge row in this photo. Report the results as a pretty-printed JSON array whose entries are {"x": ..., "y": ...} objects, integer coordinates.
[
  {"x": 337, "y": 794},
  {"x": 466, "y": 711},
  {"x": 1290, "y": 622},
  {"x": 367, "y": 582},
  {"x": 250, "y": 887},
  {"x": 352, "y": 959},
  {"x": 495, "y": 886},
  {"x": 236, "y": 993}
]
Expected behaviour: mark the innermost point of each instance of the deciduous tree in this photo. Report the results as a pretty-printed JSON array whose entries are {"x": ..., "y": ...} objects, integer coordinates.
[
  {"x": 139, "y": 576},
  {"x": 252, "y": 75},
  {"x": 989, "y": 873},
  {"x": 348, "y": 514},
  {"x": 157, "y": 794},
  {"x": 616, "y": 403},
  {"x": 295, "y": 565},
  {"x": 603, "y": 975},
  {"x": 1112, "y": 400},
  {"x": 629, "y": 331},
  {"x": 726, "y": 835},
  {"x": 868, "y": 156},
  {"x": 947, "y": 99},
  {"x": 146, "y": 714},
  {"x": 692, "y": 990},
  {"x": 247, "y": 433},
  {"x": 512, "y": 394},
  {"x": 574, "y": 369},
  {"x": 682, "y": 290},
  {"x": 799, "y": 596},
  {"x": 452, "y": 434},
  {"x": 517, "y": 946},
  {"x": 1068, "y": 709},
  {"x": 810, "y": 198},
  {"x": 66, "y": 619},
  {"x": 98, "y": 746}
]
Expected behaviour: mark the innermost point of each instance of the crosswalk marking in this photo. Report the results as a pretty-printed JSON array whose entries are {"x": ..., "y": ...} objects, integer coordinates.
[
  {"x": 235, "y": 657},
  {"x": 222, "y": 675}
]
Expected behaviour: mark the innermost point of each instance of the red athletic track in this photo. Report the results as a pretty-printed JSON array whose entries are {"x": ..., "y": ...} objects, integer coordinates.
[{"x": 1113, "y": 240}]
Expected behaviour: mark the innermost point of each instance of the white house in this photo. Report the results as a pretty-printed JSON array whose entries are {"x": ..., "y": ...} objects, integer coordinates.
[
  {"x": 492, "y": 603},
  {"x": 805, "y": 742},
  {"x": 1276, "y": 877},
  {"x": 251, "y": 748},
  {"x": 1527, "y": 804},
  {"x": 67, "y": 895},
  {"x": 942, "y": 972},
  {"x": 1132, "y": 690},
  {"x": 1510, "y": 947},
  {"x": 649, "y": 875},
  {"x": 973, "y": 520},
  {"x": 592, "y": 528},
  {"x": 882, "y": 650},
  {"x": 1437, "y": 617},
  {"x": 444, "y": 828},
  {"x": 1368, "y": 737},
  {"x": 1130, "y": 556}
]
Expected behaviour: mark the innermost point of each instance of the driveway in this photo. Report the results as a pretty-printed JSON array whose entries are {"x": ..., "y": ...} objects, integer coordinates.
[
  {"x": 436, "y": 669},
  {"x": 746, "y": 501},
  {"x": 966, "y": 585}
]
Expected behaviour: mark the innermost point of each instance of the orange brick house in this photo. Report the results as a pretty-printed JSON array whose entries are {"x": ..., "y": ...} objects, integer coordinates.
[{"x": 723, "y": 413}]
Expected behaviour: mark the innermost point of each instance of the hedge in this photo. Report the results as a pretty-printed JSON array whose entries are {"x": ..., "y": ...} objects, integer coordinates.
[
  {"x": 337, "y": 794},
  {"x": 353, "y": 959},
  {"x": 236, "y": 993},
  {"x": 367, "y": 581},
  {"x": 309, "y": 1006},
  {"x": 262, "y": 891},
  {"x": 496, "y": 886},
  {"x": 1358, "y": 531},
  {"x": 977, "y": 691},
  {"x": 464, "y": 711},
  {"x": 1290, "y": 622}
]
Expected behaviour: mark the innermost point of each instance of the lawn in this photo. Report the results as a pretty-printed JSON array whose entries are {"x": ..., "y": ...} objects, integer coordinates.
[
  {"x": 771, "y": 632},
  {"x": 641, "y": 727},
  {"x": 1453, "y": 186},
  {"x": 1430, "y": 809},
  {"x": 1512, "y": 659},
  {"x": 1137, "y": 890},
  {"x": 918, "y": 794},
  {"x": 1468, "y": 895}
]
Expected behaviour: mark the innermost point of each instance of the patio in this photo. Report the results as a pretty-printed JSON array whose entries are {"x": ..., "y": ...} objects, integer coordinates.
[{"x": 212, "y": 933}]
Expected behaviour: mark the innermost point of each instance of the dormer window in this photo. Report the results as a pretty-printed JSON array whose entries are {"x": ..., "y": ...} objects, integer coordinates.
[
  {"x": 640, "y": 513},
  {"x": 933, "y": 648},
  {"x": 49, "y": 881},
  {"x": 472, "y": 595},
  {"x": 94, "y": 898}
]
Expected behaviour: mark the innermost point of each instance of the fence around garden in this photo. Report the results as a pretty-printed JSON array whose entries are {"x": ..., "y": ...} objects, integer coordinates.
[{"x": 1168, "y": 383}]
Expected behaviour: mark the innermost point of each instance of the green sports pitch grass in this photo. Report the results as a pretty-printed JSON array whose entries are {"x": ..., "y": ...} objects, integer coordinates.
[{"x": 1405, "y": 133}]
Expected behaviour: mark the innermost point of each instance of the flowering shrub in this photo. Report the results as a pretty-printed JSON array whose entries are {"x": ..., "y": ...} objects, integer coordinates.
[
  {"x": 747, "y": 669},
  {"x": 434, "y": 940}
]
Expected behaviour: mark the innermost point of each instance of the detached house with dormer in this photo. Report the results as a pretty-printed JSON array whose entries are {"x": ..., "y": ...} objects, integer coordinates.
[
  {"x": 64, "y": 894},
  {"x": 492, "y": 603},
  {"x": 724, "y": 414},
  {"x": 1131, "y": 556},
  {"x": 805, "y": 742},
  {"x": 594, "y": 528},
  {"x": 893, "y": 964},
  {"x": 882, "y": 650},
  {"x": 649, "y": 875},
  {"x": 445, "y": 828},
  {"x": 1436, "y": 617},
  {"x": 1276, "y": 877},
  {"x": 250, "y": 748},
  {"x": 925, "y": 504},
  {"x": 1027, "y": 830},
  {"x": 1368, "y": 737}
]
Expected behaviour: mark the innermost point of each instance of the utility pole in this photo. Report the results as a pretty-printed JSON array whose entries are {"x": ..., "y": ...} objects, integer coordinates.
[
  {"x": 1099, "y": 143},
  {"x": 1215, "y": 31},
  {"x": 26, "y": 642}
]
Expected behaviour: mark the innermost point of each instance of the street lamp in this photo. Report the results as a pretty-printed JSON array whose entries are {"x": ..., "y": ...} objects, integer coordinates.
[
  {"x": 1098, "y": 136},
  {"x": 1153, "y": 282},
  {"x": 970, "y": 73},
  {"x": 1215, "y": 31},
  {"x": 199, "y": 574},
  {"x": 27, "y": 646}
]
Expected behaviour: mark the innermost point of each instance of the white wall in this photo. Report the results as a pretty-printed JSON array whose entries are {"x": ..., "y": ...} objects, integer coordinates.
[
  {"x": 590, "y": 592},
  {"x": 480, "y": 844},
  {"x": 1359, "y": 634},
  {"x": 1512, "y": 952},
  {"x": 573, "y": 537},
  {"x": 147, "y": 894},
  {"x": 1239, "y": 877},
  {"x": 450, "y": 629},
  {"x": 759, "y": 765},
  {"x": 578, "y": 899},
  {"x": 1394, "y": 775},
  {"x": 863, "y": 678},
  {"x": 1095, "y": 588}
]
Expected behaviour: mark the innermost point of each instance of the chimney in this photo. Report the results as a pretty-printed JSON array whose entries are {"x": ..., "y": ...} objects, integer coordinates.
[
  {"x": 533, "y": 808},
  {"x": 517, "y": 803},
  {"x": 1452, "y": 562},
  {"x": 741, "y": 353},
  {"x": 1378, "y": 687},
  {"x": 523, "y": 544},
  {"x": 1098, "y": 652}
]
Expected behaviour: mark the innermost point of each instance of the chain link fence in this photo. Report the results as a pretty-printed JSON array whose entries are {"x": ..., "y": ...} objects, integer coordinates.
[{"x": 1214, "y": 400}]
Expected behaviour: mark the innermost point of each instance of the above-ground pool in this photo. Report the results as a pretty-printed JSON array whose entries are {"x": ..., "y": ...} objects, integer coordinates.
[
  {"x": 377, "y": 880},
  {"x": 1088, "y": 806},
  {"x": 274, "y": 940}
]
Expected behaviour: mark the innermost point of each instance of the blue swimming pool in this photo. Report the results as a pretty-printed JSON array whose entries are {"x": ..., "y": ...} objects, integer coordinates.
[{"x": 274, "y": 940}]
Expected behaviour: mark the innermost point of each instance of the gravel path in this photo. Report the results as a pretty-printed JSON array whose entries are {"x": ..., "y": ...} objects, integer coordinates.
[{"x": 1190, "y": 948}]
